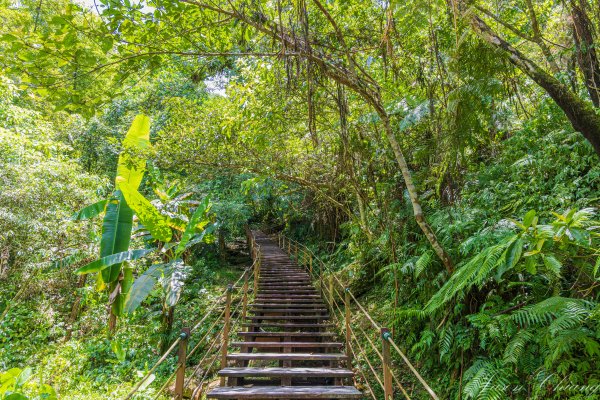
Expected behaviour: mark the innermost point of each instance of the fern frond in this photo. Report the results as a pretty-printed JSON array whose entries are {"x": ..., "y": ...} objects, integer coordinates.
[
  {"x": 423, "y": 263},
  {"x": 486, "y": 380},
  {"x": 515, "y": 347},
  {"x": 546, "y": 311},
  {"x": 474, "y": 272}
]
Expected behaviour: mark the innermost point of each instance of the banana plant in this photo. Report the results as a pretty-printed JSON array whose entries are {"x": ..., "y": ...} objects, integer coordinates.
[
  {"x": 155, "y": 221},
  {"x": 189, "y": 230},
  {"x": 114, "y": 270}
]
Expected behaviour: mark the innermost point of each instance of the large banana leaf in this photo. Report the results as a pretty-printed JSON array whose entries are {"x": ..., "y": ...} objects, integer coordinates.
[
  {"x": 117, "y": 258},
  {"x": 118, "y": 219},
  {"x": 132, "y": 164},
  {"x": 152, "y": 219},
  {"x": 143, "y": 286},
  {"x": 90, "y": 211},
  {"x": 174, "y": 281},
  {"x": 198, "y": 221},
  {"x": 116, "y": 233},
  {"x": 124, "y": 286}
]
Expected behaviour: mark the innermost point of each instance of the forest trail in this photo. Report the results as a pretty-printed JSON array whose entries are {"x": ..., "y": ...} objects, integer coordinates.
[{"x": 286, "y": 349}]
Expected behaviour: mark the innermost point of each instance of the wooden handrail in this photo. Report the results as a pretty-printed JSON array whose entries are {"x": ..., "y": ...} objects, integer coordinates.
[
  {"x": 180, "y": 367},
  {"x": 387, "y": 340}
]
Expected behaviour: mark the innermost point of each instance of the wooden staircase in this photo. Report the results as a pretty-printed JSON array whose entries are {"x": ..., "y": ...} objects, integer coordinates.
[{"x": 286, "y": 350}]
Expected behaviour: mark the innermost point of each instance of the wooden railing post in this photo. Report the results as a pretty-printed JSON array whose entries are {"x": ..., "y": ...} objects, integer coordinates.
[
  {"x": 331, "y": 293},
  {"x": 225, "y": 334},
  {"x": 289, "y": 247},
  {"x": 182, "y": 358},
  {"x": 245, "y": 301},
  {"x": 321, "y": 279},
  {"x": 348, "y": 329},
  {"x": 310, "y": 265},
  {"x": 387, "y": 364},
  {"x": 296, "y": 253}
]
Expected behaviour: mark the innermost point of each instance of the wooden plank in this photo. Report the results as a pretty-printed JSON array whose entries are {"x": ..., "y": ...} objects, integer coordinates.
[
  {"x": 287, "y": 334},
  {"x": 288, "y": 356},
  {"x": 288, "y": 372},
  {"x": 289, "y": 344},
  {"x": 309, "y": 306},
  {"x": 285, "y": 392},
  {"x": 286, "y": 317},
  {"x": 289, "y": 310},
  {"x": 283, "y": 325}
]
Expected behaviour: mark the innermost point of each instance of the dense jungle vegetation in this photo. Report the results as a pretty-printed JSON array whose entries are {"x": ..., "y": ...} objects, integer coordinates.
[{"x": 442, "y": 155}]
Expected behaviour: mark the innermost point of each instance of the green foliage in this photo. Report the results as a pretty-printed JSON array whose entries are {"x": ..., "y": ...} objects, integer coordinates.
[
  {"x": 17, "y": 384},
  {"x": 117, "y": 258},
  {"x": 517, "y": 319}
]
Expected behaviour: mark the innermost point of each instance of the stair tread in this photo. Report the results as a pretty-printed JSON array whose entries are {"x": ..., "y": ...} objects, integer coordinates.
[
  {"x": 286, "y": 317},
  {"x": 285, "y": 392},
  {"x": 308, "y": 306},
  {"x": 287, "y": 344},
  {"x": 282, "y": 325},
  {"x": 288, "y": 356},
  {"x": 288, "y": 310},
  {"x": 294, "y": 334},
  {"x": 286, "y": 371}
]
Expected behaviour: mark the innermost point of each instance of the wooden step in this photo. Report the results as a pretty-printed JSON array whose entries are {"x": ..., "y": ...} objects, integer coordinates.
[
  {"x": 287, "y": 356},
  {"x": 285, "y": 293},
  {"x": 275, "y": 372},
  {"x": 303, "y": 345},
  {"x": 286, "y": 285},
  {"x": 288, "y": 334},
  {"x": 285, "y": 326},
  {"x": 286, "y": 317},
  {"x": 307, "y": 306},
  {"x": 287, "y": 296},
  {"x": 285, "y": 392},
  {"x": 317, "y": 303},
  {"x": 288, "y": 311}
]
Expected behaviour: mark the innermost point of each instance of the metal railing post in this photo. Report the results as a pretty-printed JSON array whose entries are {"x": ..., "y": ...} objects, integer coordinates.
[
  {"x": 387, "y": 364},
  {"x": 225, "y": 334},
  {"x": 348, "y": 329},
  {"x": 182, "y": 358}
]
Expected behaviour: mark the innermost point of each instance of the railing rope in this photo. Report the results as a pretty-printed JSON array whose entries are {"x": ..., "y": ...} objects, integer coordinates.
[
  {"x": 387, "y": 342},
  {"x": 183, "y": 340}
]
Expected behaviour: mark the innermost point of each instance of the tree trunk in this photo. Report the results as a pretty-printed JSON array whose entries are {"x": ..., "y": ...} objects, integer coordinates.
[
  {"x": 75, "y": 308},
  {"x": 168, "y": 317},
  {"x": 222, "y": 246},
  {"x": 582, "y": 115},
  {"x": 585, "y": 50},
  {"x": 412, "y": 193}
]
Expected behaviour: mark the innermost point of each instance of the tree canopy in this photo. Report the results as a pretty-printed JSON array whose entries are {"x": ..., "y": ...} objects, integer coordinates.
[{"x": 442, "y": 156}]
